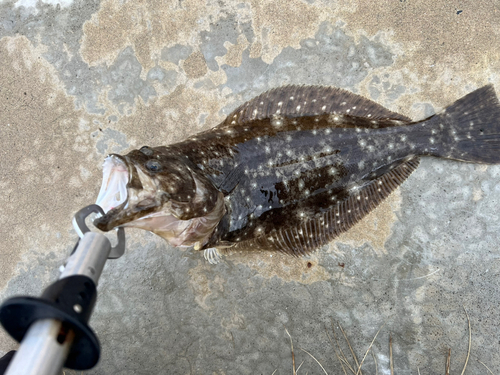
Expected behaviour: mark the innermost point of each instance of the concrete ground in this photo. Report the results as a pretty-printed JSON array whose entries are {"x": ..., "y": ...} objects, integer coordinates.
[{"x": 80, "y": 79}]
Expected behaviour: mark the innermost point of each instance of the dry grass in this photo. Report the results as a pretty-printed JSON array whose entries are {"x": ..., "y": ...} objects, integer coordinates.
[
  {"x": 470, "y": 342},
  {"x": 293, "y": 354},
  {"x": 390, "y": 355},
  {"x": 351, "y": 365}
]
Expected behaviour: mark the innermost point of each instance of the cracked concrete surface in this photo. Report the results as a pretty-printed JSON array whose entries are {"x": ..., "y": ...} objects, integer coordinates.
[{"x": 80, "y": 79}]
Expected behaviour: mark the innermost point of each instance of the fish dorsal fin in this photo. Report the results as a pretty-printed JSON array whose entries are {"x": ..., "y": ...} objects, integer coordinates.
[
  {"x": 298, "y": 101},
  {"x": 312, "y": 233}
]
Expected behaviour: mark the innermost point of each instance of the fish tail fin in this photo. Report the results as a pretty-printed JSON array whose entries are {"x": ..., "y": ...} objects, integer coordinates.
[{"x": 470, "y": 128}]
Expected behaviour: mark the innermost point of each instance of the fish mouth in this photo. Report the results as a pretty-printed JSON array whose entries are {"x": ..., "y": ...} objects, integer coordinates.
[
  {"x": 113, "y": 192},
  {"x": 126, "y": 207},
  {"x": 122, "y": 205}
]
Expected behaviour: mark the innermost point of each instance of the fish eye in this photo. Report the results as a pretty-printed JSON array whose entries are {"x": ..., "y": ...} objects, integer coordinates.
[
  {"x": 153, "y": 165},
  {"x": 146, "y": 150}
]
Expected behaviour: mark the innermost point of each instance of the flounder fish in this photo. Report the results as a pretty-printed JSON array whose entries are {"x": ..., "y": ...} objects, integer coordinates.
[{"x": 289, "y": 170}]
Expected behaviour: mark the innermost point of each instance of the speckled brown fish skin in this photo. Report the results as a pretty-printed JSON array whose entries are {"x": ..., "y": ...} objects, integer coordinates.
[{"x": 300, "y": 164}]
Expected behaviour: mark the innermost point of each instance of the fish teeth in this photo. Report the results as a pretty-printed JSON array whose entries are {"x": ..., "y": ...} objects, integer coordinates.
[{"x": 113, "y": 190}]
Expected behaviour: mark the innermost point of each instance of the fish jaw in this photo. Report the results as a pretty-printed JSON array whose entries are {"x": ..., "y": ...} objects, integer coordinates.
[{"x": 182, "y": 233}]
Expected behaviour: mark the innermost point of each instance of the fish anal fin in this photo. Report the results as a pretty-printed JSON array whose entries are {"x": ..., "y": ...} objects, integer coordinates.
[{"x": 315, "y": 232}]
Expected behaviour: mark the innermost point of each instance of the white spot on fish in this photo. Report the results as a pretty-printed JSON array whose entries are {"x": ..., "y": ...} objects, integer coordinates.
[{"x": 276, "y": 122}]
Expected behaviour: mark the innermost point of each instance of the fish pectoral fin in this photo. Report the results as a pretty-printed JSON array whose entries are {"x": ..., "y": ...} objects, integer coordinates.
[
  {"x": 232, "y": 180},
  {"x": 312, "y": 233},
  {"x": 212, "y": 255}
]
